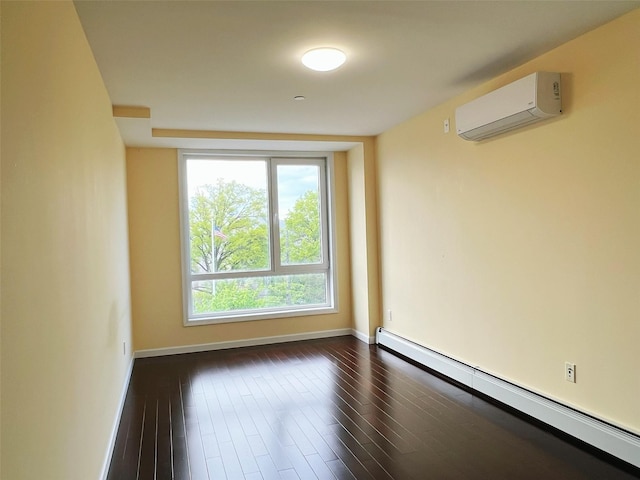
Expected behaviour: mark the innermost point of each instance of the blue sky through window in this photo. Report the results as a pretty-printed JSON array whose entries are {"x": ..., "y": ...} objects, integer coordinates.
[{"x": 293, "y": 180}]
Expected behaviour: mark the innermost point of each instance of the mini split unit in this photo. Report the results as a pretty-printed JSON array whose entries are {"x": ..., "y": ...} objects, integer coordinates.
[{"x": 523, "y": 102}]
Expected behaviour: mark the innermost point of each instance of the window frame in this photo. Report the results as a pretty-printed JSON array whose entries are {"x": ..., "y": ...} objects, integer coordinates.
[{"x": 324, "y": 160}]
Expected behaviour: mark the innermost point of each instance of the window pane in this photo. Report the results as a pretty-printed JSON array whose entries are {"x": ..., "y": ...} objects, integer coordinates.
[
  {"x": 299, "y": 214},
  {"x": 228, "y": 215},
  {"x": 254, "y": 293}
]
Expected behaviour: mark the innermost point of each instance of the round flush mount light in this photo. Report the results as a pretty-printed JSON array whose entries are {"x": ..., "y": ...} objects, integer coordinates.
[{"x": 323, "y": 59}]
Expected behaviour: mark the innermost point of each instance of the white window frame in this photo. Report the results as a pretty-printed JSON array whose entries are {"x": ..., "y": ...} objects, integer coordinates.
[{"x": 327, "y": 213}]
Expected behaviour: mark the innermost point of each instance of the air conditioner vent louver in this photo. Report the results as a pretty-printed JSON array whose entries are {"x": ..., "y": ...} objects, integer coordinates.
[{"x": 523, "y": 102}]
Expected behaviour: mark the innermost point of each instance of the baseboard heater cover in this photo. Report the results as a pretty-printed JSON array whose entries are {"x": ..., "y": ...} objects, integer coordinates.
[{"x": 602, "y": 435}]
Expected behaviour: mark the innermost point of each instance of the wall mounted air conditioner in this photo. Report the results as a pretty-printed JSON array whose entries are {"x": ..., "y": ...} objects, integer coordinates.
[{"x": 523, "y": 102}]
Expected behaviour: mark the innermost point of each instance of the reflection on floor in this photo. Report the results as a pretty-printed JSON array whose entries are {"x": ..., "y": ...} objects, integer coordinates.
[{"x": 333, "y": 408}]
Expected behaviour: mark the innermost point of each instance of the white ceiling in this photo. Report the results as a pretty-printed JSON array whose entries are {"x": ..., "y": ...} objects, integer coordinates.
[{"x": 234, "y": 65}]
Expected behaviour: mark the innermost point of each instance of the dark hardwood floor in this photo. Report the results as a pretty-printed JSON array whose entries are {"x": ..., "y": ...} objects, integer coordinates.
[{"x": 325, "y": 409}]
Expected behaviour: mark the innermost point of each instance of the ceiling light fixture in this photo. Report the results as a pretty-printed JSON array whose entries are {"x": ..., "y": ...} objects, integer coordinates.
[{"x": 323, "y": 59}]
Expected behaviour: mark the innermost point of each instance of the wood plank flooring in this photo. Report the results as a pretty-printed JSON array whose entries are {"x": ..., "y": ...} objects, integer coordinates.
[{"x": 326, "y": 409}]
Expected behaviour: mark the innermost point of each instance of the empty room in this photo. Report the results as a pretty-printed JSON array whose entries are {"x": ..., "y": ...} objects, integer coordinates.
[{"x": 319, "y": 239}]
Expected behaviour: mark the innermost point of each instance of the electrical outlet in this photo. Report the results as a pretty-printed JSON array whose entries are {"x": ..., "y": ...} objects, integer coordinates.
[
  {"x": 389, "y": 317},
  {"x": 570, "y": 372}
]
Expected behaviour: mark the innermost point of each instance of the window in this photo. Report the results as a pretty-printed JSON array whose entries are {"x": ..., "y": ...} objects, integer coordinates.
[{"x": 256, "y": 236}]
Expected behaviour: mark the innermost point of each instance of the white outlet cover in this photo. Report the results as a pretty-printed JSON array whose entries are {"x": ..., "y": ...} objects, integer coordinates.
[{"x": 570, "y": 372}]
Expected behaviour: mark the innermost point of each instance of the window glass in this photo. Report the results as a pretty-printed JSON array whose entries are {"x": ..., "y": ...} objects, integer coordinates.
[
  {"x": 299, "y": 214},
  {"x": 251, "y": 293},
  {"x": 255, "y": 236},
  {"x": 228, "y": 215}
]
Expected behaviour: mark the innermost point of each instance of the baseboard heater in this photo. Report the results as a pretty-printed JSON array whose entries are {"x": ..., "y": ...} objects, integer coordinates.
[{"x": 602, "y": 435}]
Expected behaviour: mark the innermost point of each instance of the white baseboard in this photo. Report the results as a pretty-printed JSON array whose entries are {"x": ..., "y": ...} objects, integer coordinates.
[
  {"x": 363, "y": 337},
  {"x": 251, "y": 342},
  {"x": 116, "y": 422},
  {"x": 600, "y": 434}
]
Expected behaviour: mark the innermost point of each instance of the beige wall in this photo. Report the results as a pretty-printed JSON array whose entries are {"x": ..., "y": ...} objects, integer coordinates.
[
  {"x": 522, "y": 252},
  {"x": 65, "y": 274},
  {"x": 152, "y": 183},
  {"x": 0, "y": 241},
  {"x": 365, "y": 287}
]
